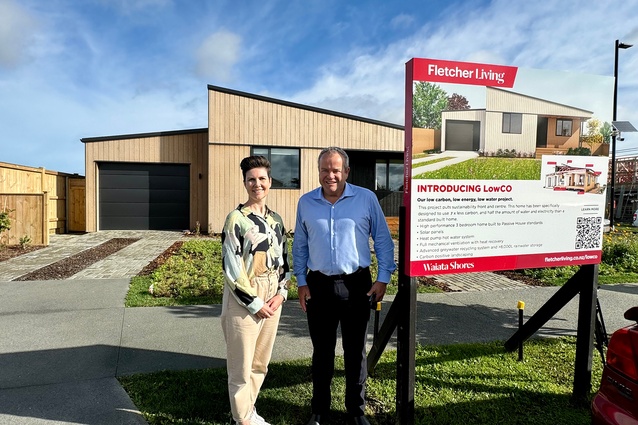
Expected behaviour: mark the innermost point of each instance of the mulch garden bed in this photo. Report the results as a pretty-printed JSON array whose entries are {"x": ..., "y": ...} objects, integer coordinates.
[{"x": 69, "y": 266}]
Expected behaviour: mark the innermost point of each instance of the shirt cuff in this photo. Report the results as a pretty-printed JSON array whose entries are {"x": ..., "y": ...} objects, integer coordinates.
[
  {"x": 255, "y": 306},
  {"x": 283, "y": 289},
  {"x": 301, "y": 280},
  {"x": 384, "y": 277}
]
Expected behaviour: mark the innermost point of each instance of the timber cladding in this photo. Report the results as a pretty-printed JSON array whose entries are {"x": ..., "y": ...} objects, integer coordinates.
[
  {"x": 41, "y": 202},
  {"x": 177, "y": 147},
  {"x": 238, "y": 121}
]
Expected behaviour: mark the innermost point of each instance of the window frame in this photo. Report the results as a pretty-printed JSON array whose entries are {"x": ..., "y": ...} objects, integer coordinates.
[
  {"x": 562, "y": 121},
  {"x": 387, "y": 162},
  {"x": 507, "y": 121},
  {"x": 268, "y": 155}
]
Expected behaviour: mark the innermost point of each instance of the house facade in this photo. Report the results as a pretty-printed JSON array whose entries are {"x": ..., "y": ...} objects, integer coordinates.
[
  {"x": 191, "y": 179},
  {"x": 513, "y": 121},
  {"x": 566, "y": 177}
]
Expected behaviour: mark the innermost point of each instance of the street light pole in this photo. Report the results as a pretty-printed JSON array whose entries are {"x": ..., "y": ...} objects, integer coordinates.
[{"x": 618, "y": 45}]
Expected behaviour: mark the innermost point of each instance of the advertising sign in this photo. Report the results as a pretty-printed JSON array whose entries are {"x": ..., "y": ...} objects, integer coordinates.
[{"x": 496, "y": 174}]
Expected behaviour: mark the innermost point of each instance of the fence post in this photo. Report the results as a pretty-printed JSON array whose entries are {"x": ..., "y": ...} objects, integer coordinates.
[{"x": 45, "y": 218}]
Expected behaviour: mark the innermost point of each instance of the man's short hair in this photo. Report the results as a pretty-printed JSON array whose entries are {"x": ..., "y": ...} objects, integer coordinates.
[{"x": 331, "y": 150}]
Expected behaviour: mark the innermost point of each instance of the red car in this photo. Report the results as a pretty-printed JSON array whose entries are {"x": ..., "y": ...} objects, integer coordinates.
[{"x": 616, "y": 402}]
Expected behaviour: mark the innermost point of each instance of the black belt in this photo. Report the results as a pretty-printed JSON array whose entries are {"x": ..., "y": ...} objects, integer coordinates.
[{"x": 342, "y": 276}]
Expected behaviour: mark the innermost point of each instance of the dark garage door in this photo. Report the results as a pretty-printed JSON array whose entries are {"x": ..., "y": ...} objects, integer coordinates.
[
  {"x": 137, "y": 196},
  {"x": 462, "y": 135}
]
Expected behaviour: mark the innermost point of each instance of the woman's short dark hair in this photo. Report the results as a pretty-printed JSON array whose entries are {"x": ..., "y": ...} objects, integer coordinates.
[{"x": 255, "y": 161}]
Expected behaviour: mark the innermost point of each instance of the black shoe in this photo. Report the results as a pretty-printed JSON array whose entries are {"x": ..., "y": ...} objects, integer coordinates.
[
  {"x": 314, "y": 420},
  {"x": 360, "y": 420}
]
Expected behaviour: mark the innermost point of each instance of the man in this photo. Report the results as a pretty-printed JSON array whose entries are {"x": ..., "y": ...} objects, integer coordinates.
[{"x": 331, "y": 259}]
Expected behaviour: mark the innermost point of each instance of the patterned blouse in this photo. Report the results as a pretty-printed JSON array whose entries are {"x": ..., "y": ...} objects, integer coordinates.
[{"x": 252, "y": 246}]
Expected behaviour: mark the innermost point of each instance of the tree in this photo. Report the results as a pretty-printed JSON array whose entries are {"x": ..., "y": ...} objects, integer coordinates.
[
  {"x": 429, "y": 100},
  {"x": 606, "y": 131},
  {"x": 457, "y": 102},
  {"x": 593, "y": 126}
]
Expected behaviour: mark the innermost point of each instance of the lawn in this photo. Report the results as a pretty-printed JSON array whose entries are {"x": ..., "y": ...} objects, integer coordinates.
[
  {"x": 473, "y": 383},
  {"x": 484, "y": 168},
  {"x": 462, "y": 383},
  {"x": 193, "y": 274}
]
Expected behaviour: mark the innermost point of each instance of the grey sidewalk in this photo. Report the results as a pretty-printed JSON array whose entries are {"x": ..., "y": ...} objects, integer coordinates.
[{"x": 64, "y": 342}]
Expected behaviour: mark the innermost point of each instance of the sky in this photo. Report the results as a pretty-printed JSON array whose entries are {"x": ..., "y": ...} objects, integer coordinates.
[{"x": 73, "y": 69}]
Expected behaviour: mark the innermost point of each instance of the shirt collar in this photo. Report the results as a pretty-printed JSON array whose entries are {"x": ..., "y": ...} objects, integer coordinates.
[
  {"x": 347, "y": 191},
  {"x": 247, "y": 211}
]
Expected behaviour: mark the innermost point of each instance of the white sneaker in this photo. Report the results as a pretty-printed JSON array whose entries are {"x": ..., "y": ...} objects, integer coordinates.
[{"x": 256, "y": 419}]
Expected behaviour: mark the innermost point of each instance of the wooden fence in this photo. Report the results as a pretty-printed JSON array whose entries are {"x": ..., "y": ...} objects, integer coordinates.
[
  {"x": 26, "y": 213},
  {"x": 41, "y": 202}
]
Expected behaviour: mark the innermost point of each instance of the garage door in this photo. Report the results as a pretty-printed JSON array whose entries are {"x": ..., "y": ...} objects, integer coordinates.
[
  {"x": 136, "y": 196},
  {"x": 462, "y": 135}
]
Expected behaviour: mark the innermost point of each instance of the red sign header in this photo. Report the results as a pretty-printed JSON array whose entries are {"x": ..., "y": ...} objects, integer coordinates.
[{"x": 478, "y": 74}]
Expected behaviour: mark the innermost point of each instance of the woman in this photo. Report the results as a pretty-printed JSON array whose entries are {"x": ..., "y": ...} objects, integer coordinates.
[{"x": 256, "y": 272}]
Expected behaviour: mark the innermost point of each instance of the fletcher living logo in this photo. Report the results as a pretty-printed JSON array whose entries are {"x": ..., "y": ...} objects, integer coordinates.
[{"x": 452, "y": 265}]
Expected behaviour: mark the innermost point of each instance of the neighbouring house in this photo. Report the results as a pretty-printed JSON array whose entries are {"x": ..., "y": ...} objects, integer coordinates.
[
  {"x": 513, "y": 121},
  {"x": 191, "y": 179}
]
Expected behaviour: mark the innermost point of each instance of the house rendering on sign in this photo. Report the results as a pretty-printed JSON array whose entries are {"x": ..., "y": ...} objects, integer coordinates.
[
  {"x": 513, "y": 121},
  {"x": 191, "y": 179},
  {"x": 567, "y": 177}
]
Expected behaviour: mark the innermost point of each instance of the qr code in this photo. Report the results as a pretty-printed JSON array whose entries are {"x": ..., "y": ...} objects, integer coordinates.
[{"x": 588, "y": 230}]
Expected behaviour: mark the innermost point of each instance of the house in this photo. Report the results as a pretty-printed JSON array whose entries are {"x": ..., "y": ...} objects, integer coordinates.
[
  {"x": 513, "y": 121},
  {"x": 567, "y": 177},
  {"x": 190, "y": 179}
]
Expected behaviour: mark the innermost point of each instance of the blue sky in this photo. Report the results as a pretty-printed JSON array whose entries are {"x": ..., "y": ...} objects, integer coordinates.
[{"x": 71, "y": 69}]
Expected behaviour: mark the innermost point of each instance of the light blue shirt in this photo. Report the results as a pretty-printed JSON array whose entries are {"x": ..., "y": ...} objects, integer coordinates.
[{"x": 335, "y": 238}]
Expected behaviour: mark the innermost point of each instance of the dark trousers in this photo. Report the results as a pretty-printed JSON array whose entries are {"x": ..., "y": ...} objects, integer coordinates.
[{"x": 339, "y": 300}]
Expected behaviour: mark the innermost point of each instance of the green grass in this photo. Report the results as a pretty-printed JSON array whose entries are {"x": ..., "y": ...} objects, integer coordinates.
[
  {"x": 193, "y": 275},
  {"x": 463, "y": 383},
  {"x": 454, "y": 384},
  {"x": 432, "y": 161},
  {"x": 483, "y": 168}
]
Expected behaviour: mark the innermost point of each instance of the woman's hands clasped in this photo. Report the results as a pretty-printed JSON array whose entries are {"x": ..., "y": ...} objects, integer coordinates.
[{"x": 270, "y": 307}]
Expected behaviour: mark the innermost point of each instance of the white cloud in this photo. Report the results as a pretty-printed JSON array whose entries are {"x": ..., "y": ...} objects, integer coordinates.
[
  {"x": 402, "y": 21},
  {"x": 17, "y": 27},
  {"x": 217, "y": 55},
  {"x": 525, "y": 34}
]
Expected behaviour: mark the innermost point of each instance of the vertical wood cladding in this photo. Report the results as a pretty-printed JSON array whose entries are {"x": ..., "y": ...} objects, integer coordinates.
[
  {"x": 188, "y": 147},
  {"x": 238, "y": 121}
]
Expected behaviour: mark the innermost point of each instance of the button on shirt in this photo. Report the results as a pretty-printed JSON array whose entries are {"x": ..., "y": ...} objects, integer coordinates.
[{"x": 334, "y": 238}]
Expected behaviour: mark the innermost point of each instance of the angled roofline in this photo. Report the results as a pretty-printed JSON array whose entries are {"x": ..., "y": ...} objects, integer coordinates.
[
  {"x": 304, "y": 107},
  {"x": 538, "y": 98},
  {"x": 143, "y": 135}
]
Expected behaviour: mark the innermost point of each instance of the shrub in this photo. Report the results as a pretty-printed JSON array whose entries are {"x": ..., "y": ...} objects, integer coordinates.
[
  {"x": 620, "y": 253},
  {"x": 25, "y": 241},
  {"x": 5, "y": 220},
  {"x": 619, "y": 256},
  {"x": 581, "y": 151},
  {"x": 506, "y": 153}
]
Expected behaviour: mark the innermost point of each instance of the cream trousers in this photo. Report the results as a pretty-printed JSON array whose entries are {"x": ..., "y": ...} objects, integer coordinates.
[{"x": 249, "y": 344}]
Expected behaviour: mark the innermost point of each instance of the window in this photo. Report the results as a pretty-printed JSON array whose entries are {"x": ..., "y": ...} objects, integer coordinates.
[
  {"x": 284, "y": 166},
  {"x": 563, "y": 127},
  {"x": 389, "y": 175},
  {"x": 512, "y": 123}
]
